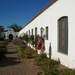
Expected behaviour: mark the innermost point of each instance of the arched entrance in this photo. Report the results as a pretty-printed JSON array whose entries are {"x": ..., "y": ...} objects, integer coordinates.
[{"x": 10, "y": 36}]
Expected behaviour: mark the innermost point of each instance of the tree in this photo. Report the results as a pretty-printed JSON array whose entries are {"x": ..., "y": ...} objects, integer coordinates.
[
  {"x": 1, "y": 29},
  {"x": 15, "y": 27}
]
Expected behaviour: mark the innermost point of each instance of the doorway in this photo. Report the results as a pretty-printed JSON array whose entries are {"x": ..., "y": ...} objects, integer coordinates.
[{"x": 10, "y": 36}]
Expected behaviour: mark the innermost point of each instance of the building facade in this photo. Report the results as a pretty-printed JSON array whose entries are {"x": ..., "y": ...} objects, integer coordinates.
[
  {"x": 56, "y": 23},
  {"x": 9, "y": 34}
]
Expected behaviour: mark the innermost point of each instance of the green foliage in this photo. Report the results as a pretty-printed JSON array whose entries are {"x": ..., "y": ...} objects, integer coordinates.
[
  {"x": 1, "y": 28},
  {"x": 31, "y": 37},
  {"x": 25, "y": 37},
  {"x": 43, "y": 55},
  {"x": 7, "y": 40},
  {"x": 39, "y": 58},
  {"x": 1, "y": 39},
  {"x": 67, "y": 72},
  {"x": 4, "y": 43},
  {"x": 28, "y": 52},
  {"x": 49, "y": 66},
  {"x": 15, "y": 27},
  {"x": 19, "y": 50},
  {"x": 25, "y": 52},
  {"x": 1, "y": 53},
  {"x": 3, "y": 48}
]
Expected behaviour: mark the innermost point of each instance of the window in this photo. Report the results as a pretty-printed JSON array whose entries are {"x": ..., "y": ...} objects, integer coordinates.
[
  {"x": 36, "y": 31},
  {"x": 32, "y": 31},
  {"x": 42, "y": 30},
  {"x": 47, "y": 33},
  {"x": 29, "y": 32},
  {"x": 16, "y": 36},
  {"x": 4, "y": 36},
  {"x": 63, "y": 34}
]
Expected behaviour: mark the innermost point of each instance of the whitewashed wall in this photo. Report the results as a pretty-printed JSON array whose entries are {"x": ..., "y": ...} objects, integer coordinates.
[
  {"x": 6, "y": 34},
  {"x": 50, "y": 18}
]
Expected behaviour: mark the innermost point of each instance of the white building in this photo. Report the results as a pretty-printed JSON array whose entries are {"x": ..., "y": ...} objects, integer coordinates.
[
  {"x": 9, "y": 34},
  {"x": 57, "y": 20}
]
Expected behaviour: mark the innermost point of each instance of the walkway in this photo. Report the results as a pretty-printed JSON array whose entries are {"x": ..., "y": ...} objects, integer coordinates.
[{"x": 11, "y": 65}]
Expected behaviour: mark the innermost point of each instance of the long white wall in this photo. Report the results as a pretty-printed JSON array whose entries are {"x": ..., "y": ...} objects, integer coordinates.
[{"x": 50, "y": 18}]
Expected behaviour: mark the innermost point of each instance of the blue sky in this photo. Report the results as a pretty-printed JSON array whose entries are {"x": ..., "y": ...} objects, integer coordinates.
[{"x": 19, "y": 11}]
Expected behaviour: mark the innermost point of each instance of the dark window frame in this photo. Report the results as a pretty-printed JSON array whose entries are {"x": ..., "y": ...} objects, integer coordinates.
[
  {"x": 29, "y": 32},
  {"x": 47, "y": 29},
  {"x": 35, "y": 31},
  {"x": 63, "y": 34},
  {"x": 32, "y": 31}
]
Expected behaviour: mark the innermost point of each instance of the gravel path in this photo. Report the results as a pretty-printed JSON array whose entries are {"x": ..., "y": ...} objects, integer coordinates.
[{"x": 11, "y": 65}]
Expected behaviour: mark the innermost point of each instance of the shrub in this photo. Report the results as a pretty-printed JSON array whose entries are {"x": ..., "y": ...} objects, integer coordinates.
[
  {"x": 1, "y": 39},
  {"x": 19, "y": 50},
  {"x": 49, "y": 67},
  {"x": 25, "y": 51},
  {"x": 3, "y": 49},
  {"x": 43, "y": 55},
  {"x": 67, "y": 72},
  {"x": 8, "y": 40},
  {"x": 1, "y": 54},
  {"x": 31, "y": 37},
  {"x": 5, "y": 43},
  {"x": 39, "y": 58},
  {"x": 25, "y": 37},
  {"x": 28, "y": 52}
]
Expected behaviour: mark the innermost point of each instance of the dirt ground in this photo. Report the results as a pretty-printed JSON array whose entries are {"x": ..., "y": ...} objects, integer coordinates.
[{"x": 11, "y": 65}]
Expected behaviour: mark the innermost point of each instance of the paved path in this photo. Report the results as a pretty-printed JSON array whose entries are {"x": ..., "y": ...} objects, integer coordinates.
[{"x": 11, "y": 65}]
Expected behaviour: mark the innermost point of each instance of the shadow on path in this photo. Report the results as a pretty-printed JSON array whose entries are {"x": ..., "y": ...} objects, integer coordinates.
[
  {"x": 11, "y": 65},
  {"x": 11, "y": 57},
  {"x": 9, "y": 61},
  {"x": 11, "y": 52}
]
